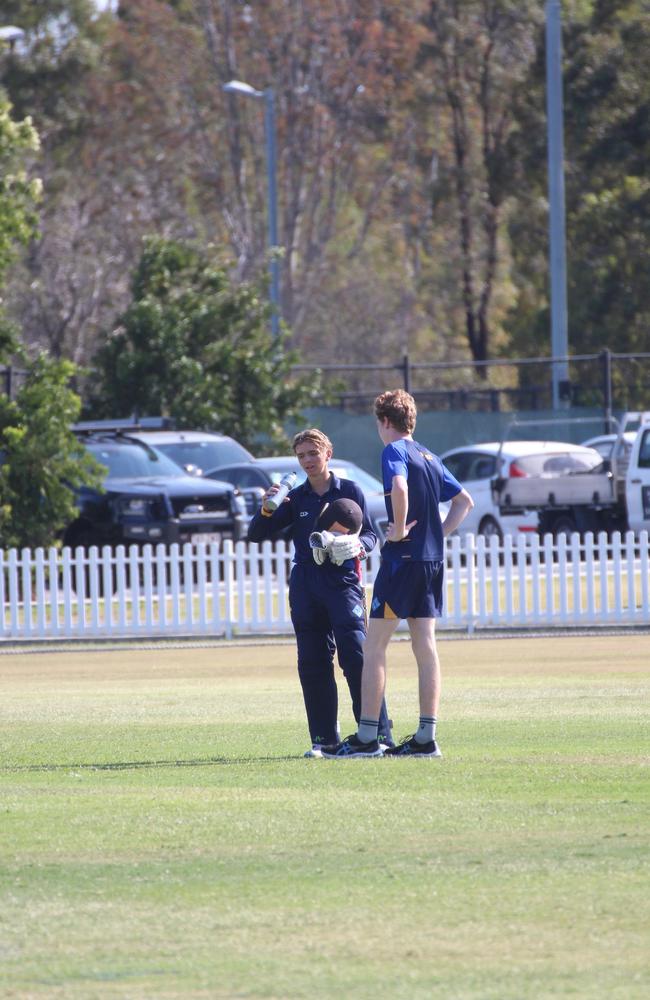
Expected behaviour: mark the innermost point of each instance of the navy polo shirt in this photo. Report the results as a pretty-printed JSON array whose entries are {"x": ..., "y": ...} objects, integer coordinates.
[{"x": 301, "y": 510}]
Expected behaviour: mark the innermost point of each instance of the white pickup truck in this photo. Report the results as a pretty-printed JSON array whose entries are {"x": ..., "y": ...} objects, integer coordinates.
[{"x": 597, "y": 495}]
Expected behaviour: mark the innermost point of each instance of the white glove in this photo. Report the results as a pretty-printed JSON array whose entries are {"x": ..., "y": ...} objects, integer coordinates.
[
  {"x": 320, "y": 542},
  {"x": 344, "y": 547}
]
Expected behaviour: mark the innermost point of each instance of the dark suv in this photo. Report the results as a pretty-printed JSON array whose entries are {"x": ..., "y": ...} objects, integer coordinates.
[{"x": 147, "y": 498}]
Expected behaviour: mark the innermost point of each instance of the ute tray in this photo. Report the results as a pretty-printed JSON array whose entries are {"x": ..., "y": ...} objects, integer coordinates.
[{"x": 531, "y": 492}]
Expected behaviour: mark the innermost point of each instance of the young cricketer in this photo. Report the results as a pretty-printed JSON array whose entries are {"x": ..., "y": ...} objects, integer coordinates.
[
  {"x": 327, "y": 600},
  {"x": 409, "y": 583}
]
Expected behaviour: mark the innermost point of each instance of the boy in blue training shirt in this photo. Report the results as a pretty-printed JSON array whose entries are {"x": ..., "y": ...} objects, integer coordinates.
[{"x": 409, "y": 583}]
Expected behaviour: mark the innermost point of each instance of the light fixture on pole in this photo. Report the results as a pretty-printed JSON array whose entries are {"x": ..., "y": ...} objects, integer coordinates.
[
  {"x": 239, "y": 87},
  {"x": 11, "y": 34},
  {"x": 555, "y": 124}
]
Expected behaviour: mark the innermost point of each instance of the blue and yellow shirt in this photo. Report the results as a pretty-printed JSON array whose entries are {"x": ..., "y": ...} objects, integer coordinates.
[{"x": 429, "y": 484}]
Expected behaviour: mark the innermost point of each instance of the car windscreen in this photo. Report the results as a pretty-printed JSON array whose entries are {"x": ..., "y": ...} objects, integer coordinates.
[
  {"x": 128, "y": 461},
  {"x": 205, "y": 454}
]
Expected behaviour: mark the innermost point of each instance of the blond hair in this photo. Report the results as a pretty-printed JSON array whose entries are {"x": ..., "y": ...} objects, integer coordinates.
[
  {"x": 317, "y": 438},
  {"x": 399, "y": 407}
]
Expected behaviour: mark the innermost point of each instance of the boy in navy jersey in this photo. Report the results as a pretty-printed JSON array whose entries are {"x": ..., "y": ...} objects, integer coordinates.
[
  {"x": 410, "y": 579},
  {"x": 328, "y": 606}
]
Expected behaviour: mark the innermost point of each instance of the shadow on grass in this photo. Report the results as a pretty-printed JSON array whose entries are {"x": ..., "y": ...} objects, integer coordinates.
[{"x": 129, "y": 765}]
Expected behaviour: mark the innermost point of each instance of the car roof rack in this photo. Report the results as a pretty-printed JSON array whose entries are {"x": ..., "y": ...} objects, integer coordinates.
[{"x": 124, "y": 425}]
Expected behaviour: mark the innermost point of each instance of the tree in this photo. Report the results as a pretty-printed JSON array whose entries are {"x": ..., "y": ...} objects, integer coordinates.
[
  {"x": 41, "y": 458},
  {"x": 607, "y": 145},
  {"x": 371, "y": 101},
  {"x": 471, "y": 64},
  {"x": 196, "y": 346},
  {"x": 154, "y": 145},
  {"x": 18, "y": 193},
  {"x": 63, "y": 283}
]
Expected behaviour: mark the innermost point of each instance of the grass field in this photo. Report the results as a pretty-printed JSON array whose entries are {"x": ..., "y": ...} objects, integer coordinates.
[{"x": 161, "y": 835}]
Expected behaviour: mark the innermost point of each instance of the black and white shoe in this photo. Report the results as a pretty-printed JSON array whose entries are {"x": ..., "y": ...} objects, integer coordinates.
[
  {"x": 352, "y": 747},
  {"x": 410, "y": 747},
  {"x": 316, "y": 750}
]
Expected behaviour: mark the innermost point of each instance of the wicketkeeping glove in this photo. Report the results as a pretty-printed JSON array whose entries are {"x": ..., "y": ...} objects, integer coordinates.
[
  {"x": 320, "y": 556},
  {"x": 320, "y": 542},
  {"x": 344, "y": 547}
]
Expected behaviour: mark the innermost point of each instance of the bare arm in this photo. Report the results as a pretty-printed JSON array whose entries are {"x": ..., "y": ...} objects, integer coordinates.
[
  {"x": 461, "y": 505},
  {"x": 399, "y": 496}
]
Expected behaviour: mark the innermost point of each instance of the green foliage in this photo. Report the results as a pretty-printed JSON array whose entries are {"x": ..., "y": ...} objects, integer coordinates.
[
  {"x": 412, "y": 170},
  {"x": 45, "y": 78},
  {"x": 195, "y": 346},
  {"x": 18, "y": 193},
  {"x": 607, "y": 140},
  {"x": 42, "y": 459},
  {"x": 39, "y": 452}
]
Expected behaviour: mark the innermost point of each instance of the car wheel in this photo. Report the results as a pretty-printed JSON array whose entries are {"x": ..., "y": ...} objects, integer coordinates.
[
  {"x": 489, "y": 528},
  {"x": 564, "y": 524}
]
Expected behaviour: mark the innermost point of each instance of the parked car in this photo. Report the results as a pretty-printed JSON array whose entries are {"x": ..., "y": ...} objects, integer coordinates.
[
  {"x": 147, "y": 498},
  {"x": 475, "y": 467},
  {"x": 194, "y": 451},
  {"x": 604, "y": 443},
  {"x": 254, "y": 478}
]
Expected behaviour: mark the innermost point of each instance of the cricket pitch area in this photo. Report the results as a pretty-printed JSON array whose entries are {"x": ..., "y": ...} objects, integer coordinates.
[{"x": 162, "y": 836}]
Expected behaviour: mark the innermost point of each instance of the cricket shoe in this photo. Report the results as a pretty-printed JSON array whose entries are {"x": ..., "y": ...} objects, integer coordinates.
[
  {"x": 316, "y": 750},
  {"x": 352, "y": 747},
  {"x": 409, "y": 747}
]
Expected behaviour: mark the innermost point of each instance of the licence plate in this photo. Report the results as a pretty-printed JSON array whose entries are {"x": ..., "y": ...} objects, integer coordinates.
[{"x": 206, "y": 537}]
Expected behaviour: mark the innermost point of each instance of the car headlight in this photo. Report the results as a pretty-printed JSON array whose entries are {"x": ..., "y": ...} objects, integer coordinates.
[{"x": 240, "y": 505}]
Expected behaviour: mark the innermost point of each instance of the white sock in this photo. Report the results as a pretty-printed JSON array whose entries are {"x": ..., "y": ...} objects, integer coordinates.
[
  {"x": 368, "y": 729},
  {"x": 426, "y": 730}
]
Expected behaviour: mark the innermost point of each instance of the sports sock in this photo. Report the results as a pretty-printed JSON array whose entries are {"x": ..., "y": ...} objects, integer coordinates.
[
  {"x": 368, "y": 729},
  {"x": 426, "y": 730}
]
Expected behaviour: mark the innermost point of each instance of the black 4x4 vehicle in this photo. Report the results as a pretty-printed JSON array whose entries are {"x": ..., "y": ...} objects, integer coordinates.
[{"x": 148, "y": 498}]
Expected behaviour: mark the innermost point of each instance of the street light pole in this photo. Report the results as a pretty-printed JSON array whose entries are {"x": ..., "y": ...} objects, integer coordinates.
[
  {"x": 555, "y": 123},
  {"x": 239, "y": 87}
]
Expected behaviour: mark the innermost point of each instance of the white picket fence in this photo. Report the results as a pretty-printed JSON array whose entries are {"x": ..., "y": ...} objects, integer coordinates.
[{"x": 242, "y": 589}]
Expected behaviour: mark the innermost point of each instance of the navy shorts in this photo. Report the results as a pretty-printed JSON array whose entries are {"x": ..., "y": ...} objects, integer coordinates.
[{"x": 408, "y": 590}]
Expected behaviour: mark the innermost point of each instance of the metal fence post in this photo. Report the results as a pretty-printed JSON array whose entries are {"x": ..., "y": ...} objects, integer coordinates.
[
  {"x": 406, "y": 365},
  {"x": 606, "y": 361}
]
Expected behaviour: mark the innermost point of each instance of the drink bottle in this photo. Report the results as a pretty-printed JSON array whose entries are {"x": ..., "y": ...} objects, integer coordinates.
[{"x": 287, "y": 483}]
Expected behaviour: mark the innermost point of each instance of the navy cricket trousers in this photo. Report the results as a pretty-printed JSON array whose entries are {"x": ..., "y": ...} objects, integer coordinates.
[{"x": 329, "y": 616}]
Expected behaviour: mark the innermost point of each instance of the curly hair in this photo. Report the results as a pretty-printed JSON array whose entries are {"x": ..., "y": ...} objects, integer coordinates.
[{"x": 399, "y": 407}]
